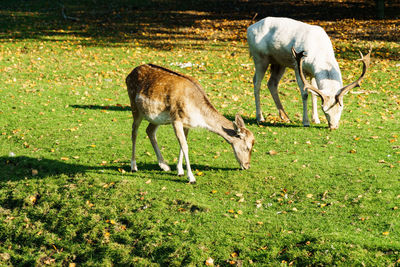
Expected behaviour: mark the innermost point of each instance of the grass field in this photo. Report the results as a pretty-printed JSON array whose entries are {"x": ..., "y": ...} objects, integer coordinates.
[{"x": 311, "y": 197}]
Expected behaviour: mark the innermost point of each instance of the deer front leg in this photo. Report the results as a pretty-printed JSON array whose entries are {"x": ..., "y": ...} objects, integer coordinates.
[
  {"x": 304, "y": 97},
  {"x": 314, "y": 98},
  {"x": 180, "y": 134},
  {"x": 261, "y": 68},
  {"x": 151, "y": 132},
  {"x": 137, "y": 119},
  {"x": 180, "y": 159}
]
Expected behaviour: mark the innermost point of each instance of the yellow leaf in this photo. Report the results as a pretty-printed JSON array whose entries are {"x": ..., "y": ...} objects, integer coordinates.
[
  {"x": 309, "y": 195},
  {"x": 239, "y": 212},
  {"x": 209, "y": 262},
  {"x": 234, "y": 254},
  {"x": 64, "y": 158},
  {"x": 385, "y": 233},
  {"x": 231, "y": 211},
  {"x": 272, "y": 152},
  {"x": 148, "y": 181}
]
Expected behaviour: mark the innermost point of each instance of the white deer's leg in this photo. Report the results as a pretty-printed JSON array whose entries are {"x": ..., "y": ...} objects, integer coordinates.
[
  {"x": 151, "y": 132},
  {"x": 304, "y": 97},
  {"x": 137, "y": 119},
  {"x": 261, "y": 68},
  {"x": 180, "y": 134},
  {"x": 180, "y": 159},
  {"x": 314, "y": 98},
  {"x": 277, "y": 72}
]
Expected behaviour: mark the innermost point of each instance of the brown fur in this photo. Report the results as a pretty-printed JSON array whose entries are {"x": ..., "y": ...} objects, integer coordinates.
[{"x": 162, "y": 96}]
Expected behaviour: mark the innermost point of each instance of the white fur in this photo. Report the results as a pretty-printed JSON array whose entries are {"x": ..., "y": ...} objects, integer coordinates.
[{"x": 270, "y": 42}]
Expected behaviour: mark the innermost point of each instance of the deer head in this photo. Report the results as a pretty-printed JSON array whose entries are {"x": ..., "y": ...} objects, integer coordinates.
[
  {"x": 242, "y": 143},
  {"x": 332, "y": 105}
]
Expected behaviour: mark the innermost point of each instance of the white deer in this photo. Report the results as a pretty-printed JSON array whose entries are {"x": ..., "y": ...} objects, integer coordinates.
[
  {"x": 162, "y": 96},
  {"x": 270, "y": 43}
]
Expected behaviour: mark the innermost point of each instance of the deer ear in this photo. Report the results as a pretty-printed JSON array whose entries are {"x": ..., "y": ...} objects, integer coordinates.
[
  {"x": 238, "y": 125},
  {"x": 339, "y": 99},
  {"x": 239, "y": 121}
]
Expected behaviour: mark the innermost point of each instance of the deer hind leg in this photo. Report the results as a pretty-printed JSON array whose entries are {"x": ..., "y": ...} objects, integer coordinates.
[
  {"x": 180, "y": 134},
  {"x": 277, "y": 72},
  {"x": 180, "y": 159},
  {"x": 137, "y": 119},
  {"x": 314, "y": 98},
  {"x": 151, "y": 132},
  {"x": 261, "y": 67}
]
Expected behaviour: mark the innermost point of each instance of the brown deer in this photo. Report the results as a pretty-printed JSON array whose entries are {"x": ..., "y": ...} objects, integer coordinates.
[{"x": 162, "y": 96}]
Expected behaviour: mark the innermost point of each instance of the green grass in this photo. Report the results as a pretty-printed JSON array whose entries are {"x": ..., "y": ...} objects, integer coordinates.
[{"x": 67, "y": 196}]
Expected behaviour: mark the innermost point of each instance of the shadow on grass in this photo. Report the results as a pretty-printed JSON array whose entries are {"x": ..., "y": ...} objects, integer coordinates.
[
  {"x": 165, "y": 24},
  {"x": 22, "y": 167},
  {"x": 98, "y": 107},
  {"x": 253, "y": 121}
]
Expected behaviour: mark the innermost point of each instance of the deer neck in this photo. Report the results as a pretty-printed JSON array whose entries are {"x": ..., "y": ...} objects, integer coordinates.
[{"x": 220, "y": 125}]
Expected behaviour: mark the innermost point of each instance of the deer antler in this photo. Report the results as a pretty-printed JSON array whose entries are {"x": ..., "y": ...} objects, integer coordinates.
[
  {"x": 366, "y": 61},
  {"x": 299, "y": 57}
]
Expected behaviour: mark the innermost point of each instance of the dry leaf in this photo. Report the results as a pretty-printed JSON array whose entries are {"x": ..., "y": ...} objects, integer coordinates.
[
  {"x": 272, "y": 152},
  {"x": 148, "y": 181},
  {"x": 209, "y": 262}
]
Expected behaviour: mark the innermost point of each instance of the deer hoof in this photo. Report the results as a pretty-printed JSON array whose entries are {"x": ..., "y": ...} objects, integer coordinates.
[{"x": 165, "y": 167}]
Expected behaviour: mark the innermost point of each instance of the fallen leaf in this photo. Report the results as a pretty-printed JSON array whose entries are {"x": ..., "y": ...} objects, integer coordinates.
[
  {"x": 209, "y": 262},
  {"x": 148, "y": 181},
  {"x": 272, "y": 152},
  {"x": 64, "y": 158},
  {"x": 199, "y": 173},
  {"x": 385, "y": 233}
]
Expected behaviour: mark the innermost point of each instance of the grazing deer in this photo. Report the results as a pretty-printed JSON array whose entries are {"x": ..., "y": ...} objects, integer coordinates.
[
  {"x": 270, "y": 42},
  {"x": 162, "y": 96}
]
